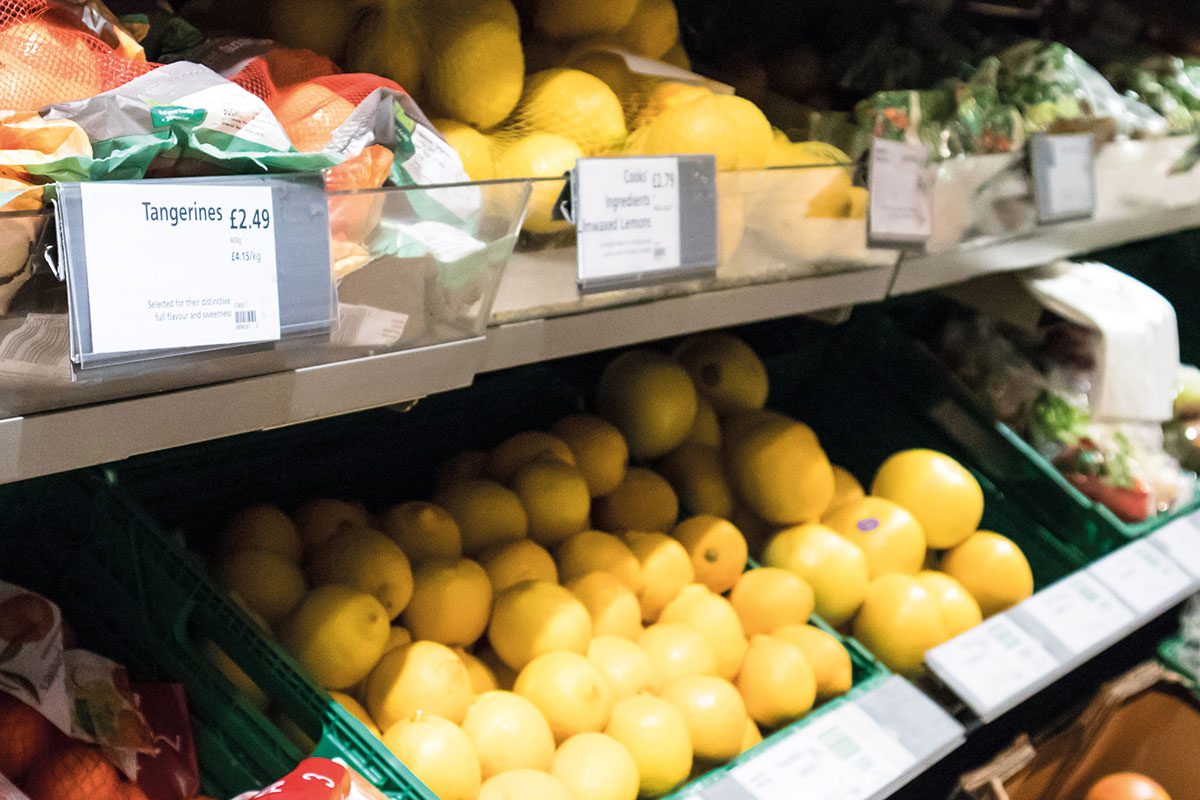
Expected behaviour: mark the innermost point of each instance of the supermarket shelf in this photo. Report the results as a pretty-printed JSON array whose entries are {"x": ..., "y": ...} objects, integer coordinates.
[
  {"x": 41, "y": 444},
  {"x": 984, "y": 218},
  {"x": 539, "y": 314},
  {"x": 1050, "y": 243}
]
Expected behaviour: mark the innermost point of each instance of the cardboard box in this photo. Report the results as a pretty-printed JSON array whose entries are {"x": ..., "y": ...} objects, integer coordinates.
[{"x": 1146, "y": 721}]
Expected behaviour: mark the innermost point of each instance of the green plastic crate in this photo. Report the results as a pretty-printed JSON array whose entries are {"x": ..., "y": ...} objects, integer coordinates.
[
  {"x": 1011, "y": 462},
  {"x": 134, "y": 597}
]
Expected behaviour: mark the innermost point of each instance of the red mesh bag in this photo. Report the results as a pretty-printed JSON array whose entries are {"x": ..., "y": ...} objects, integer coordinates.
[{"x": 312, "y": 110}]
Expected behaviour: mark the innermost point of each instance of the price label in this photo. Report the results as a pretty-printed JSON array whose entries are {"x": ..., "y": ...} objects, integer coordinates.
[
  {"x": 644, "y": 220},
  {"x": 1143, "y": 576},
  {"x": 992, "y": 665},
  {"x": 901, "y": 204},
  {"x": 1079, "y": 612},
  {"x": 842, "y": 754},
  {"x": 1064, "y": 176},
  {"x": 1181, "y": 541},
  {"x": 176, "y": 266}
]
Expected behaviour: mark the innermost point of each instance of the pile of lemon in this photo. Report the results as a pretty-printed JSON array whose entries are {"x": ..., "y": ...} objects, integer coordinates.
[
  {"x": 517, "y": 108},
  {"x": 547, "y": 624}
]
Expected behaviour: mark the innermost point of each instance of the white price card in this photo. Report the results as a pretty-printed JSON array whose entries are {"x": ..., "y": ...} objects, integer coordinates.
[
  {"x": 1064, "y": 176},
  {"x": 992, "y": 665},
  {"x": 1143, "y": 576},
  {"x": 901, "y": 202},
  {"x": 1181, "y": 540},
  {"x": 644, "y": 220},
  {"x": 1079, "y": 612},
  {"x": 842, "y": 754},
  {"x": 184, "y": 265}
]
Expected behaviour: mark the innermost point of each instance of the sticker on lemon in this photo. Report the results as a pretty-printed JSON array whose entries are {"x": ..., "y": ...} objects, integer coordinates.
[{"x": 889, "y": 536}]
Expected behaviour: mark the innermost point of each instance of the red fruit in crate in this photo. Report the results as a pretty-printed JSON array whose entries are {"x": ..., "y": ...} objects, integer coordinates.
[
  {"x": 25, "y": 618},
  {"x": 77, "y": 772},
  {"x": 1126, "y": 786},
  {"x": 25, "y": 736}
]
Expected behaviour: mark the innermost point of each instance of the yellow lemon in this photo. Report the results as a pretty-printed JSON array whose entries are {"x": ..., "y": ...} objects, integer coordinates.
[
  {"x": 423, "y": 531},
  {"x": 650, "y": 398},
  {"x": 712, "y": 616},
  {"x": 460, "y": 467},
  {"x": 385, "y": 41},
  {"x": 521, "y": 784},
  {"x": 960, "y": 611},
  {"x": 676, "y": 649},
  {"x": 751, "y": 736},
  {"x": 355, "y": 709},
  {"x": 835, "y": 568},
  {"x": 656, "y": 734},
  {"x": 482, "y": 677},
  {"x": 601, "y": 454},
  {"x": 697, "y": 475},
  {"x": 754, "y": 131},
  {"x": 516, "y": 562},
  {"x": 368, "y": 561},
  {"x": 262, "y": 527},
  {"x": 573, "y": 104},
  {"x": 860, "y": 199},
  {"x": 992, "y": 568},
  {"x": 473, "y": 147},
  {"x": 476, "y": 70},
  {"x": 567, "y": 19},
  {"x": 715, "y": 714},
  {"x": 830, "y": 661},
  {"x": 569, "y": 690},
  {"x": 439, "y": 754},
  {"x": 337, "y": 634},
  {"x": 717, "y": 549},
  {"x": 524, "y": 448},
  {"x": 556, "y": 499},
  {"x": 540, "y": 155},
  {"x": 596, "y": 767},
  {"x": 768, "y": 598},
  {"x": 891, "y": 538},
  {"x": 666, "y": 569},
  {"x": 653, "y": 29},
  {"x": 451, "y": 602},
  {"x": 706, "y": 430},
  {"x": 317, "y": 520},
  {"x": 701, "y": 125},
  {"x": 667, "y": 95},
  {"x": 509, "y": 733},
  {"x": 612, "y": 605},
  {"x": 846, "y": 489},
  {"x": 726, "y": 372},
  {"x": 595, "y": 551},
  {"x": 487, "y": 513},
  {"x": 504, "y": 675},
  {"x": 611, "y": 68},
  {"x": 776, "y": 682},
  {"x": 534, "y": 618},
  {"x": 778, "y": 469},
  {"x": 627, "y": 667},
  {"x": 899, "y": 621},
  {"x": 242, "y": 682},
  {"x": 396, "y": 637},
  {"x": 644, "y": 501},
  {"x": 421, "y": 677},
  {"x": 268, "y": 583},
  {"x": 942, "y": 494}
]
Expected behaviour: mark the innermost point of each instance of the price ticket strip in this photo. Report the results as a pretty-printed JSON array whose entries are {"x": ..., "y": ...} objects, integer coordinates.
[
  {"x": 1012, "y": 656},
  {"x": 860, "y": 747}
]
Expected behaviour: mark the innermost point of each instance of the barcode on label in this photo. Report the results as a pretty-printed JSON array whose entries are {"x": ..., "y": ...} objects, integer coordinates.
[{"x": 243, "y": 317}]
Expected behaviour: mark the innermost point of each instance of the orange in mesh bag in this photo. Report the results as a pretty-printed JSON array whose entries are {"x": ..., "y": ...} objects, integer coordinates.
[
  {"x": 43, "y": 63},
  {"x": 311, "y": 111}
]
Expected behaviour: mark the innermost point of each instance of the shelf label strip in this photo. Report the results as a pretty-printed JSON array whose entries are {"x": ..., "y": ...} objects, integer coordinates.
[
  {"x": 900, "y": 210},
  {"x": 1063, "y": 167}
]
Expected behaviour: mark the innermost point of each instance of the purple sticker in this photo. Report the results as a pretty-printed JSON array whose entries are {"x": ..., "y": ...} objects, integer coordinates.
[{"x": 868, "y": 524}]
